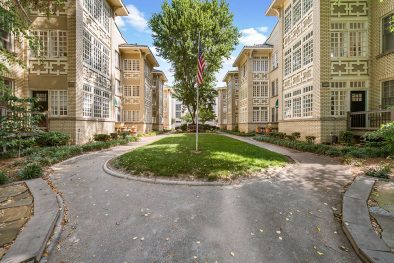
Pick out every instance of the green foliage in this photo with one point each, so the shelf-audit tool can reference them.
(175, 33)
(52, 138)
(3, 178)
(334, 151)
(346, 137)
(114, 136)
(206, 113)
(381, 171)
(31, 171)
(384, 136)
(102, 137)
(310, 139)
(296, 135)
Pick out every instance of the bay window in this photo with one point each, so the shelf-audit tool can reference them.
(53, 43)
(388, 33)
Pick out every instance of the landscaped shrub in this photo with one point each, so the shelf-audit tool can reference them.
(296, 135)
(330, 150)
(382, 171)
(310, 139)
(114, 136)
(30, 171)
(52, 138)
(290, 137)
(3, 178)
(102, 137)
(346, 137)
(384, 136)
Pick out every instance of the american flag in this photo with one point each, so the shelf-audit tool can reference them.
(201, 65)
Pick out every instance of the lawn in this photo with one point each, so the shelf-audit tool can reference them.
(220, 158)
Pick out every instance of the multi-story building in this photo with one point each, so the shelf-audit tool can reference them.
(79, 71)
(167, 109)
(159, 78)
(253, 65)
(178, 111)
(331, 69)
(137, 82)
(231, 80)
(222, 107)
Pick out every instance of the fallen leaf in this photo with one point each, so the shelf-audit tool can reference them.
(134, 238)
(252, 234)
(195, 257)
(142, 238)
(167, 238)
(198, 242)
(232, 254)
(344, 248)
(261, 230)
(333, 208)
(319, 253)
(325, 204)
(278, 231)
(287, 219)
(318, 229)
(280, 238)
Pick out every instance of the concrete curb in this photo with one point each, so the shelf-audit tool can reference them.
(32, 240)
(56, 232)
(157, 181)
(357, 225)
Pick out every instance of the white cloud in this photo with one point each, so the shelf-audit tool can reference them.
(252, 36)
(136, 19)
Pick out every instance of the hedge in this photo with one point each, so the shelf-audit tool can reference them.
(329, 150)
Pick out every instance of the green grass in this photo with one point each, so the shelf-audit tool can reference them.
(220, 158)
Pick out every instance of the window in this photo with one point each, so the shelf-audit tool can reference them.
(95, 102)
(287, 62)
(306, 5)
(288, 19)
(274, 114)
(58, 102)
(387, 94)
(118, 87)
(95, 54)
(131, 116)
(297, 56)
(297, 12)
(349, 39)
(338, 103)
(260, 89)
(6, 40)
(388, 33)
(136, 91)
(260, 64)
(131, 64)
(275, 60)
(99, 10)
(299, 103)
(127, 91)
(117, 59)
(8, 87)
(260, 114)
(274, 88)
(307, 49)
(53, 43)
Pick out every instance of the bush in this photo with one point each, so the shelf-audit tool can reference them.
(114, 136)
(310, 139)
(132, 138)
(346, 137)
(3, 178)
(385, 136)
(296, 135)
(102, 137)
(290, 137)
(382, 171)
(52, 138)
(31, 171)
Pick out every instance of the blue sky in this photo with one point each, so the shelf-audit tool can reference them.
(248, 17)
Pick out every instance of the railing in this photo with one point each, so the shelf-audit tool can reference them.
(369, 120)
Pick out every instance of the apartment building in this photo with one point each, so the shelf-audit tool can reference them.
(85, 75)
(231, 80)
(330, 69)
(167, 108)
(222, 107)
(159, 79)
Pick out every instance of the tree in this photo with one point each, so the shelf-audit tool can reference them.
(175, 33)
(187, 118)
(206, 114)
(20, 121)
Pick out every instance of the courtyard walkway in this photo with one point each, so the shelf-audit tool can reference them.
(289, 217)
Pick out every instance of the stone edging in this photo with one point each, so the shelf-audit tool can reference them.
(357, 225)
(119, 174)
(48, 214)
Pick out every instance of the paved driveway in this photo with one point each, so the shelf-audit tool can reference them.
(287, 218)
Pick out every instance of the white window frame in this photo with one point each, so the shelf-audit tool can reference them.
(58, 102)
(53, 43)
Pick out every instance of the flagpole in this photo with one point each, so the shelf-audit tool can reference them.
(197, 102)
